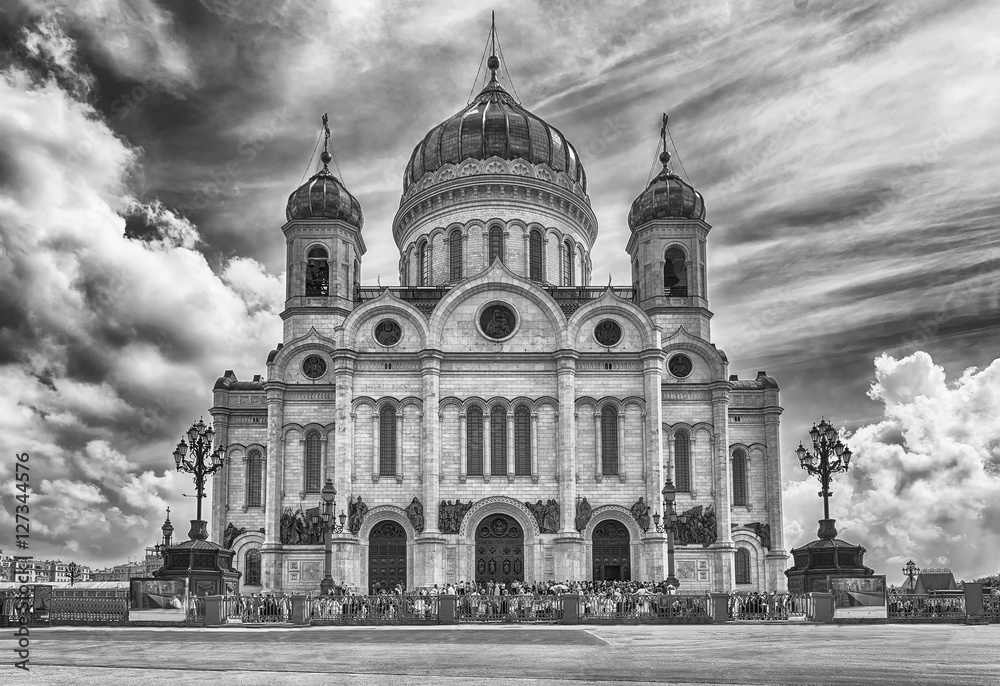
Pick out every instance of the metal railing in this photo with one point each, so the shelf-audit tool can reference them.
(991, 607)
(921, 607)
(16, 609)
(195, 609)
(770, 606)
(376, 609)
(509, 608)
(644, 607)
(251, 609)
(102, 610)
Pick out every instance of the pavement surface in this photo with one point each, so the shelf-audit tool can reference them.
(764, 654)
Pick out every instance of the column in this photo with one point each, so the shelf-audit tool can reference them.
(463, 448)
(487, 448)
(399, 445)
(776, 558)
(534, 447)
(510, 446)
(652, 372)
(430, 374)
(622, 462)
(270, 555)
(221, 479)
(720, 418)
(376, 443)
(598, 451)
(566, 375)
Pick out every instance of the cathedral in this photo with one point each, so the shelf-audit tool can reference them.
(496, 416)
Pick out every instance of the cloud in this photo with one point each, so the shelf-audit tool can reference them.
(924, 482)
(115, 325)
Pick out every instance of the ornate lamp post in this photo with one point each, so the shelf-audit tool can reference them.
(72, 569)
(329, 504)
(669, 518)
(910, 570)
(831, 456)
(204, 462)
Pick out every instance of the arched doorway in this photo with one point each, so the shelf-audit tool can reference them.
(499, 550)
(386, 556)
(612, 552)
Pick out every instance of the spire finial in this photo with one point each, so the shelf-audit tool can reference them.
(325, 156)
(665, 155)
(493, 63)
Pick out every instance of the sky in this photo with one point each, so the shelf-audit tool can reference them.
(846, 155)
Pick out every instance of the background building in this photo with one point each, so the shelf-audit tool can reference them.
(497, 416)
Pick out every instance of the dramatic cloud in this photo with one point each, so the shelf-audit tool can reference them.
(924, 483)
(114, 326)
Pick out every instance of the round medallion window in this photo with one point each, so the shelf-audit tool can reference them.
(680, 365)
(387, 332)
(608, 332)
(497, 321)
(314, 366)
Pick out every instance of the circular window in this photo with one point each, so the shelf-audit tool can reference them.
(387, 332)
(497, 321)
(680, 365)
(608, 332)
(314, 366)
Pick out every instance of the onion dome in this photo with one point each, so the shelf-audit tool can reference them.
(494, 125)
(667, 197)
(324, 196)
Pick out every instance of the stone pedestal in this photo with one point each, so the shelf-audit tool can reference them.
(428, 562)
(570, 558)
(654, 558)
(826, 557)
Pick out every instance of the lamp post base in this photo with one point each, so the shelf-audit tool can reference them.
(672, 581)
(326, 586)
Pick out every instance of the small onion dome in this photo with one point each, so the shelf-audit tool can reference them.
(493, 125)
(667, 197)
(324, 197)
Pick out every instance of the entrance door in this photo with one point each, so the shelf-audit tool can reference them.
(386, 556)
(612, 553)
(499, 550)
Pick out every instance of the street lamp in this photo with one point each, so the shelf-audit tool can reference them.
(204, 462)
(72, 569)
(329, 504)
(831, 456)
(669, 494)
(910, 570)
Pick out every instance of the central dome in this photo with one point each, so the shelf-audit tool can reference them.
(494, 125)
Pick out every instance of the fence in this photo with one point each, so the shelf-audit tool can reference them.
(89, 609)
(919, 607)
(378, 609)
(772, 606)
(254, 609)
(644, 607)
(509, 608)
(991, 608)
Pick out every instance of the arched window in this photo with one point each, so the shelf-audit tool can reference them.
(496, 243)
(742, 566)
(255, 473)
(675, 281)
(739, 478)
(357, 275)
(317, 272)
(682, 462)
(498, 441)
(387, 441)
(455, 248)
(566, 264)
(535, 255)
(314, 462)
(422, 264)
(570, 263)
(251, 567)
(522, 441)
(609, 441)
(474, 441)
(404, 278)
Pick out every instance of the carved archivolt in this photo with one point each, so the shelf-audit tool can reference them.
(499, 504)
(380, 513)
(619, 514)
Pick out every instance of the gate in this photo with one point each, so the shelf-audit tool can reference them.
(499, 550)
(612, 552)
(386, 557)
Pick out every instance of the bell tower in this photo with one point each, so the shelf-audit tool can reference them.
(667, 250)
(323, 251)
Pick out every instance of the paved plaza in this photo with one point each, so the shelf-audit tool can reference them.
(772, 654)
